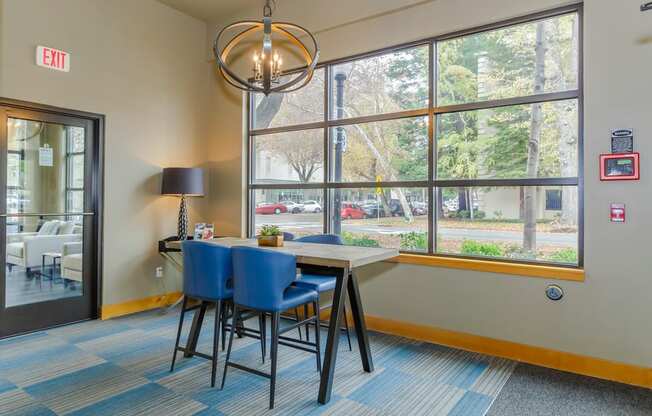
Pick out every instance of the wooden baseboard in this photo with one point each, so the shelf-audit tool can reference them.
(139, 305)
(544, 357)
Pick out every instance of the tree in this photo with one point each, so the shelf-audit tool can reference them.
(566, 122)
(302, 151)
(532, 169)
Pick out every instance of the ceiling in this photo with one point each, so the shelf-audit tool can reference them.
(313, 14)
(212, 10)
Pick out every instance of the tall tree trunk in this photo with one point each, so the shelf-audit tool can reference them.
(461, 199)
(440, 203)
(532, 168)
(566, 124)
(267, 109)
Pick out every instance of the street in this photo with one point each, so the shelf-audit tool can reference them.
(312, 223)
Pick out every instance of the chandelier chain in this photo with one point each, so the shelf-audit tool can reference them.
(269, 7)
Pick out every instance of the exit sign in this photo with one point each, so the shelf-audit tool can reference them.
(52, 58)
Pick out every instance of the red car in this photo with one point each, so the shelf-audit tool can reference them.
(352, 212)
(267, 208)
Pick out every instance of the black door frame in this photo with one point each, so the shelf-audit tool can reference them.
(94, 202)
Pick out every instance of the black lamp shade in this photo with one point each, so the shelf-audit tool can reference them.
(183, 181)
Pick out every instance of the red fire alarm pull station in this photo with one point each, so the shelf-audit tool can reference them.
(617, 213)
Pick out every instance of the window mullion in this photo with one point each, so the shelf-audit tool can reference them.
(327, 149)
(432, 147)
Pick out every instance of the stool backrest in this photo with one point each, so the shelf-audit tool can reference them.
(288, 236)
(321, 239)
(261, 276)
(206, 269)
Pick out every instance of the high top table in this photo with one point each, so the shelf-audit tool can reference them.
(341, 260)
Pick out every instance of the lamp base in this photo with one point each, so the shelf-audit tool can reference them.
(182, 227)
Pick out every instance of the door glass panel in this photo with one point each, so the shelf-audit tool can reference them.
(45, 180)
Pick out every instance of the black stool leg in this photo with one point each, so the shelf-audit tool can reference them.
(305, 316)
(234, 319)
(216, 340)
(272, 385)
(225, 310)
(262, 326)
(346, 325)
(317, 333)
(176, 344)
(296, 316)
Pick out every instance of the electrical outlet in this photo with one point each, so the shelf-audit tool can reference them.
(159, 272)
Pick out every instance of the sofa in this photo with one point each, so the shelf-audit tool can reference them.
(26, 249)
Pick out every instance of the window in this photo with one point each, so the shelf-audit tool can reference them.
(553, 199)
(465, 145)
(74, 169)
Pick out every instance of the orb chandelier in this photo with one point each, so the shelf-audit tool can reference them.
(267, 64)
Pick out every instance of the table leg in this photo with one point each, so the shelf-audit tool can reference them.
(360, 325)
(332, 343)
(195, 329)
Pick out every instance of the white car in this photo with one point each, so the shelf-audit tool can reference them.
(311, 206)
(293, 207)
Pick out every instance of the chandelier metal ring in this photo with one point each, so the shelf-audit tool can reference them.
(264, 84)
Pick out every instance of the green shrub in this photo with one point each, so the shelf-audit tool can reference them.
(566, 255)
(351, 239)
(474, 248)
(414, 241)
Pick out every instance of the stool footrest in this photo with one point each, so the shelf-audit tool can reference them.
(193, 353)
(248, 369)
(288, 342)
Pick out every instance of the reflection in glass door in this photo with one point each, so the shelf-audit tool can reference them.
(50, 229)
(45, 187)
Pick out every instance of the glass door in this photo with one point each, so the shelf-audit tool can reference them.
(47, 220)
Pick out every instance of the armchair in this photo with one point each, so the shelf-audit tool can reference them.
(72, 261)
(26, 249)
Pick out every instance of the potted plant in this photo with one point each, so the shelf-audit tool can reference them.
(270, 236)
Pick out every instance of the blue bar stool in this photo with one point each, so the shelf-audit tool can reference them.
(263, 282)
(208, 277)
(321, 281)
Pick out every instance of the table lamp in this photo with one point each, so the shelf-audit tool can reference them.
(183, 182)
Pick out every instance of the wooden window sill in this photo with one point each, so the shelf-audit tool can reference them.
(517, 269)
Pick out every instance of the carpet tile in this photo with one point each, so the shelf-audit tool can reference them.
(121, 367)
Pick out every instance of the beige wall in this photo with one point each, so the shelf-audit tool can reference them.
(165, 105)
(607, 316)
(143, 65)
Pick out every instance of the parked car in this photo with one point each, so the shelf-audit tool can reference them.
(374, 210)
(311, 206)
(293, 207)
(350, 211)
(271, 208)
(396, 208)
(419, 208)
(451, 204)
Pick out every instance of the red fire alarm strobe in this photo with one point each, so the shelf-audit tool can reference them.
(617, 213)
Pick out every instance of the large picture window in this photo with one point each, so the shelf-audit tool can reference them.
(466, 145)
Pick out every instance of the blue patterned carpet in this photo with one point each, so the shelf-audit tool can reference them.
(120, 367)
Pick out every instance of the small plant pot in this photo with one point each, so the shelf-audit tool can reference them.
(270, 240)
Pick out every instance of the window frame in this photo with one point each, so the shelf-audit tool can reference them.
(431, 112)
